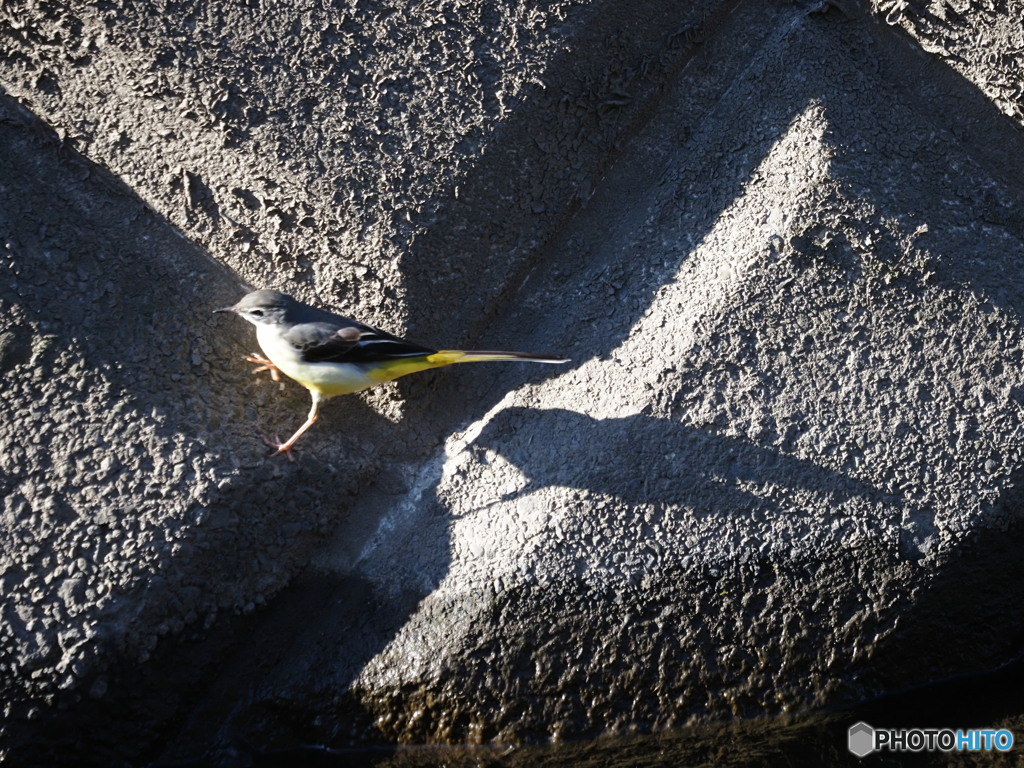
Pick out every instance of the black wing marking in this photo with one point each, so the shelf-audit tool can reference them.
(328, 342)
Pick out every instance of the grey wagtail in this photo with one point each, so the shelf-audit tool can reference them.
(331, 355)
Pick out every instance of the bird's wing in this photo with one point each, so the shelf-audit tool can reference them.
(346, 341)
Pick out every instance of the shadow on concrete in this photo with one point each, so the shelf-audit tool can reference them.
(719, 477)
(107, 332)
(706, 471)
(219, 686)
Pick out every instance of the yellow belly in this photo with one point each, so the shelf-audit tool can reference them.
(332, 379)
(329, 379)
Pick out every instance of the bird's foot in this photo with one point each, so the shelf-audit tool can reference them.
(264, 364)
(278, 446)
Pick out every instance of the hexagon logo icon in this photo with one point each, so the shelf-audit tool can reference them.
(860, 739)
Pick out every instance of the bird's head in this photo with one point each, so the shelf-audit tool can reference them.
(263, 307)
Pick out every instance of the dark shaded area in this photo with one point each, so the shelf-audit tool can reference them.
(987, 700)
(220, 683)
(583, 116)
(90, 269)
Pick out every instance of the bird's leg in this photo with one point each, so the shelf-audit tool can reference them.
(264, 364)
(286, 446)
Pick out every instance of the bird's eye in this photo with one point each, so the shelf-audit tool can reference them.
(256, 312)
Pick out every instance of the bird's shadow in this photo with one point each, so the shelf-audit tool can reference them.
(720, 478)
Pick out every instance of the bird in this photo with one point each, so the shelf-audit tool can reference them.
(332, 355)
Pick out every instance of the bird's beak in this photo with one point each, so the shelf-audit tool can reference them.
(224, 309)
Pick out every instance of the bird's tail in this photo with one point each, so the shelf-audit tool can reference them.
(401, 366)
(452, 356)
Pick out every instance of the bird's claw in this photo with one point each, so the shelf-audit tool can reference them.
(278, 447)
(264, 364)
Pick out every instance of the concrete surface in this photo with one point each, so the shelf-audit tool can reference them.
(781, 244)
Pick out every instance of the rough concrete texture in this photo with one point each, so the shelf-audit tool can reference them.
(781, 243)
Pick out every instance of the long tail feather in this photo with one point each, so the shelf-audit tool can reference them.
(452, 356)
(402, 366)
